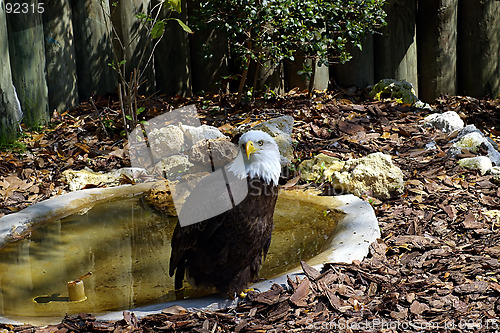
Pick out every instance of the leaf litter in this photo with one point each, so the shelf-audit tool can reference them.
(436, 267)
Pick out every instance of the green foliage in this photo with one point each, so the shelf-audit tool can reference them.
(175, 5)
(322, 29)
(158, 29)
(113, 63)
(16, 147)
(182, 25)
(138, 112)
(262, 30)
(152, 27)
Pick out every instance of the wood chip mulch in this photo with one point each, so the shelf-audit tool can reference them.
(435, 269)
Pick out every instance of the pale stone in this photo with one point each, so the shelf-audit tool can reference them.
(495, 171)
(447, 122)
(470, 141)
(320, 168)
(494, 216)
(166, 141)
(193, 134)
(470, 138)
(78, 179)
(219, 152)
(374, 175)
(481, 163)
(173, 166)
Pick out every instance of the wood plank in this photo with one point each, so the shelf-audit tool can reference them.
(27, 62)
(396, 49)
(437, 51)
(10, 112)
(479, 48)
(60, 56)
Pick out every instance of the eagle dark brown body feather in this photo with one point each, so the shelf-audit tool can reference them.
(226, 251)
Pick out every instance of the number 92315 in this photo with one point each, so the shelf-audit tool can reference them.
(24, 8)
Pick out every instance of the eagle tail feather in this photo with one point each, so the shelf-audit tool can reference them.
(179, 276)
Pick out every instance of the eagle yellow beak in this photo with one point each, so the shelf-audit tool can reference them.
(249, 148)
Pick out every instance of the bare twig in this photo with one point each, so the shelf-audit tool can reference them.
(128, 88)
(120, 95)
(98, 115)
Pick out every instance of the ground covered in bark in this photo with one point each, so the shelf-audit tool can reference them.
(435, 268)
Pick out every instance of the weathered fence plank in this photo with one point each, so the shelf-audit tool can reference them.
(479, 48)
(10, 112)
(266, 77)
(27, 61)
(396, 49)
(458, 52)
(208, 70)
(437, 48)
(60, 55)
(93, 48)
(208, 67)
(173, 59)
(137, 47)
(295, 80)
(359, 71)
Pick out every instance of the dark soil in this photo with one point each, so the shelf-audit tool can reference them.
(435, 269)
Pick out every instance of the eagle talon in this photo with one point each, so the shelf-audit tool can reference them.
(179, 293)
(244, 292)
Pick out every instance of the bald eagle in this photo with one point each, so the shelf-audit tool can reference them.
(226, 251)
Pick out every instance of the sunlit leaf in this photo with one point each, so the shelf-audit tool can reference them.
(183, 26)
(158, 29)
(176, 5)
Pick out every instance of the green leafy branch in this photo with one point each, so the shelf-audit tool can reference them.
(154, 29)
(273, 30)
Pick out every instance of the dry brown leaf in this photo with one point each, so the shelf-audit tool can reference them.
(292, 182)
(300, 295)
(83, 147)
(350, 128)
(418, 308)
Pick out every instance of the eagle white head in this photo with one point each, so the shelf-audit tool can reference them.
(258, 157)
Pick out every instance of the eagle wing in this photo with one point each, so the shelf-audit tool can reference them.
(185, 239)
(209, 191)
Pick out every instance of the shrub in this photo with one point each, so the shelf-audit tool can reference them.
(273, 30)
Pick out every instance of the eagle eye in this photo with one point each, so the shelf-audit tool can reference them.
(260, 142)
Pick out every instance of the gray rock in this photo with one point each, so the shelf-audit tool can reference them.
(470, 138)
(481, 163)
(390, 88)
(173, 166)
(217, 151)
(447, 122)
(166, 141)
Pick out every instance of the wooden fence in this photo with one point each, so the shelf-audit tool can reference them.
(60, 57)
(440, 46)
